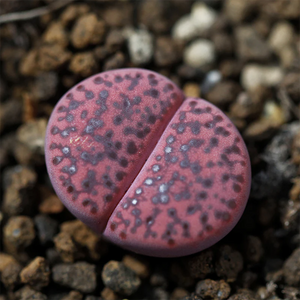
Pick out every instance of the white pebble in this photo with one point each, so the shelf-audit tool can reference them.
(282, 35)
(254, 75)
(194, 24)
(140, 44)
(184, 29)
(203, 16)
(199, 53)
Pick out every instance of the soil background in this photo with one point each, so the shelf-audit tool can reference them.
(242, 56)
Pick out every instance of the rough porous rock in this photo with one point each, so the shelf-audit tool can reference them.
(120, 278)
(18, 233)
(36, 274)
(213, 289)
(80, 276)
(87, 30)
(291, 269)
(20, 195)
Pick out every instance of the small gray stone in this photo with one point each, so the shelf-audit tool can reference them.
(80, 276)
(46, 228)
(120, 278)
(250, 46)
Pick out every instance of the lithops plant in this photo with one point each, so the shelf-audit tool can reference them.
(149, 170)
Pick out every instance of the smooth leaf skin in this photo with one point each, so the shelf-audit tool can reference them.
(192, 190)
(100, 134)
(152, 172)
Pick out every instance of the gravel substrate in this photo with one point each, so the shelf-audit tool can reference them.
(242, 56)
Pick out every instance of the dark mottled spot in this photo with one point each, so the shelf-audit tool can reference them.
(118, 79)
(152, 93)
(149, 220)
(74, 105)
(69, 96)
(225, 177)
(86, 184)
(151, 119)
(103, 94)
(123, 162)
(120, 175)
(108, 197)
(171, 242)
(208, 109)
(196, 168)
(113, 226)
(214, 142)
(208, 227)
(86, 202)
(98, 80)
(118, 145)
(185, 226)
(137, 100)
(191, 210)
(235, 149)
(140, 134)
(201, 196)
(204, 218)
(108, 184)
(192, 103)
(222, 131)
(62, 109)
(112, 155)
(109, 134)
(80, 88)
(94, 210)
(123, 235)
(152, 80)
(195, 127)
(198, 111)
(239, 178)
(70, 189)
(225, 216)
(54, 130)
(218, 118)
(118, 120)
(210, 164)
(69, 118)
(89, 95)
(108, 83)
(128, 130)
(131, 148)
(236, 188)
(56, 160)
(83, 114)
(53, 146)
(169, 87)
(209, 125)
(231, 204)
(207, 183)
(172, 212)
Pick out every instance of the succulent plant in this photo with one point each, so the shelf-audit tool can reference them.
(151, 171)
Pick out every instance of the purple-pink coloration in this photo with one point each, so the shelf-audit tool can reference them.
(152, 174)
